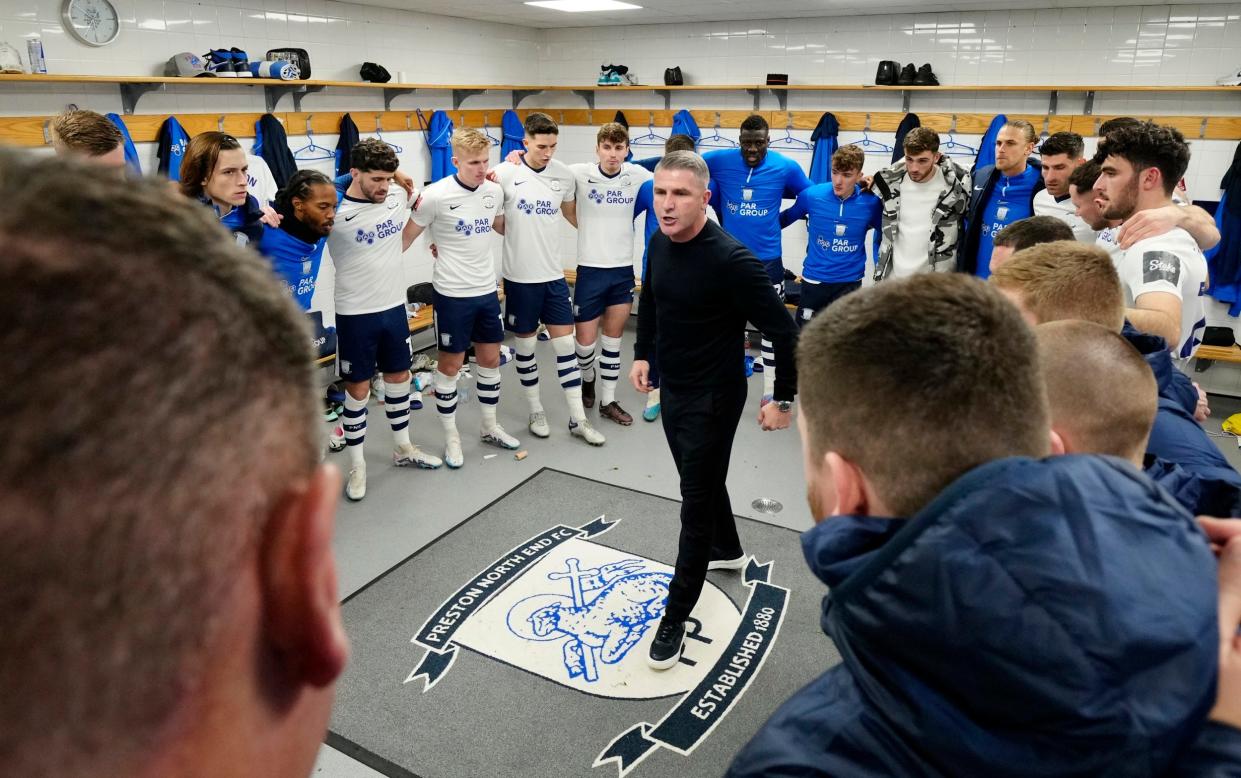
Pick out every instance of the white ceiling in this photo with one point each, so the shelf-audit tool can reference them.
(689, 11)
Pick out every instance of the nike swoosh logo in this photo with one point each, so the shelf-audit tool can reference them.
(593, 181)
(350, 217)
(518, 183)
(394, 205)
(453, 207)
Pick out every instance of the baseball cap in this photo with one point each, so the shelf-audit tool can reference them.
(10, 60)
(188, 65)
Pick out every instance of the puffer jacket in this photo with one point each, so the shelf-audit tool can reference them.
(945, 221)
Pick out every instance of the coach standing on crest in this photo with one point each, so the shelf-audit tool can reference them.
(702, 286)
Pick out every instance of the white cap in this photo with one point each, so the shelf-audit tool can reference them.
(10, 59)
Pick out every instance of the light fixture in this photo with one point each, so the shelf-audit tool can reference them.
(579, 6)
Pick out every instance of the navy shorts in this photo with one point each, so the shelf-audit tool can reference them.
(525, 305)
(816, 297)
(368, 340)
(460, 321)
(599, 288)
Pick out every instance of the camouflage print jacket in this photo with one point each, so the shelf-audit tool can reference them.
(945, 222)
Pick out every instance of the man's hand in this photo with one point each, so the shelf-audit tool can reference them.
(270, 217)
(866, 183)
(1203, 411)
(1225, 536)
(770, 417)
(639, 375)
(435, 254)
(514, 156)
(1148, 224)
(404, 181)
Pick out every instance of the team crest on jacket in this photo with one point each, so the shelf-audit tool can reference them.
(581, 614)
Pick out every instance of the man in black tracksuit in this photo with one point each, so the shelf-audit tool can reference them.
(702, 286)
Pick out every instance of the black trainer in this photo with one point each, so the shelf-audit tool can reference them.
(666, 647)
(588, 393)
(908, 75)
(926, 77)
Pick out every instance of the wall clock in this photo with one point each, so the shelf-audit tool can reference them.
(93, 22)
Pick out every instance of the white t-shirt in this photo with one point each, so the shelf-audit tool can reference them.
(366, 249)
(605, 213)
(458, 220)
(911, 252)
(262, 183)
(1170, 263)
(1065, 211)
(532, 219)
(1106, 240)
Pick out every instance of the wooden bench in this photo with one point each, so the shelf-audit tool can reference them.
(1219, 353)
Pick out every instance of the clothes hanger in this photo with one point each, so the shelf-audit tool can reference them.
(954, 149)
(872, 146)
(487, 131)
(715, 140)
(650, 138)
(788, 142)
(312, 151)
(379, 134)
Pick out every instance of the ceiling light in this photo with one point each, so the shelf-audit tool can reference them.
(578, 6)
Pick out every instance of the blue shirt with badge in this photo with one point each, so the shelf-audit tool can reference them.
(836, 247)
(1010, 201)
(295, 261)
(748, 199)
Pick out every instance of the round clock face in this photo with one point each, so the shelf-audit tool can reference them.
(93, 22)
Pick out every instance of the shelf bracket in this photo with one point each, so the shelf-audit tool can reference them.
(1089, 103)
(1055, 102)
(131, 93)
(522, 94)
(588, 95)
(755, 94)
(667, 95)
(459, 96)
(272, 94)
(905, 98)
(392, 94)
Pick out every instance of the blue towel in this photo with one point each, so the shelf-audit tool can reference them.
(825, 145)
(439, 138)
(514, 134)
(131, 154)
(683, 124)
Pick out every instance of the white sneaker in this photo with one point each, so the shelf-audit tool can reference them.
(355, 488)
(452, 453)
(582, 429)
(412, 455)
(538, 425)
(496, 436)
(336, 439)
(728, 564)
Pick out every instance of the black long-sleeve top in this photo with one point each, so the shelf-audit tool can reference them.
(695, 301)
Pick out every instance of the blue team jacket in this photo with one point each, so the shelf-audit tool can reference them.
(1039, 618)
(747, 199)
(295, 261)
(836, 238)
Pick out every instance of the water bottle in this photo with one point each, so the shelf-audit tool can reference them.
(34, 50)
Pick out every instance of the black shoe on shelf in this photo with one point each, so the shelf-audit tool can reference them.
(908, 75)
(925, 77)
(666, 647)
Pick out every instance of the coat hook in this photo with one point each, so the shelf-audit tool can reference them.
(220, 123)
(47, 132)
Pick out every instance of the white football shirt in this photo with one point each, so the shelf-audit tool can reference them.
(532, 200)
(605, 213)
(1170, 263)
(1106, 240)
(366, 249)
(1065, 211)
(458, 221)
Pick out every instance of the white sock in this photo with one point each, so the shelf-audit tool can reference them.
(355, 427)
(609, 369)
(396, 405)
(570, 375)
(769, 367)
(586, 361)
(446, 402)
(487, 384)
(528, 371)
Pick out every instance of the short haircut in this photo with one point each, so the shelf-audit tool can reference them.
(685, 160)
(1031, 231)
(85, 132)
(972, 359)
(754, 123)
(200, 157)
(469, 140)
(1100, 391)
(679, 142)
(371, 154)
(1068, 143)
(1025, 127)
(1084, 176)
(920, 139)
(1065, 280)
(612, 132)
(541, 124)
(1116, 123)
(299, 186)
(848, 158)
(125, 525)
(1148, 145)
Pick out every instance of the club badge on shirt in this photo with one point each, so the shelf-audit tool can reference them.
(747, 194)
(840, 229)
(555, 185)
(489, 201)
(1001, 213)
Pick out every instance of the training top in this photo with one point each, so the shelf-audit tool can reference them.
(695, 302)
(261, 182)
(532, 200)
(836, 243)
(1009, 202)
(605, 213)
(295, 260)
(1064, 210)
(458, 221)
(1170, 263)
(366, 248)
(748, 199)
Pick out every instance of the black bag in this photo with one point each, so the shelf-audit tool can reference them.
(1218, 336)
(298, 57)
(673, 77)
(888, 73)
(376, 74)
(777, 79)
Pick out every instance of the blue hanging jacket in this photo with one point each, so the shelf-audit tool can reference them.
(131, 154)
(986, 147)
(514, 133)
(683, 124)
(171, 144)
(344, 144)
(439, 139)
(1224, 260)
(825, 145)
(271, 143)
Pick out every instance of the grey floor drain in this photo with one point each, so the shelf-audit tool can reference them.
(766, 505)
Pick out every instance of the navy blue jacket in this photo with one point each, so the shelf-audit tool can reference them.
(1024, 623)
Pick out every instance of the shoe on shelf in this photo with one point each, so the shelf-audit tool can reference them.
(496, 436)
(452, 453)
(616, 413)
(409, 454)
(582, 429)
(909, 75)
(220, 62)
(737, 563)
(355, 487)
(588, 393)
(538, 425)
(241, 63)
(667, 646)
(925, 77)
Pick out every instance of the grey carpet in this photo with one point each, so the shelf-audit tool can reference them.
(534, 676)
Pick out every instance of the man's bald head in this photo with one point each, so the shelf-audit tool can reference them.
(1101, 392)
(1063, 280)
